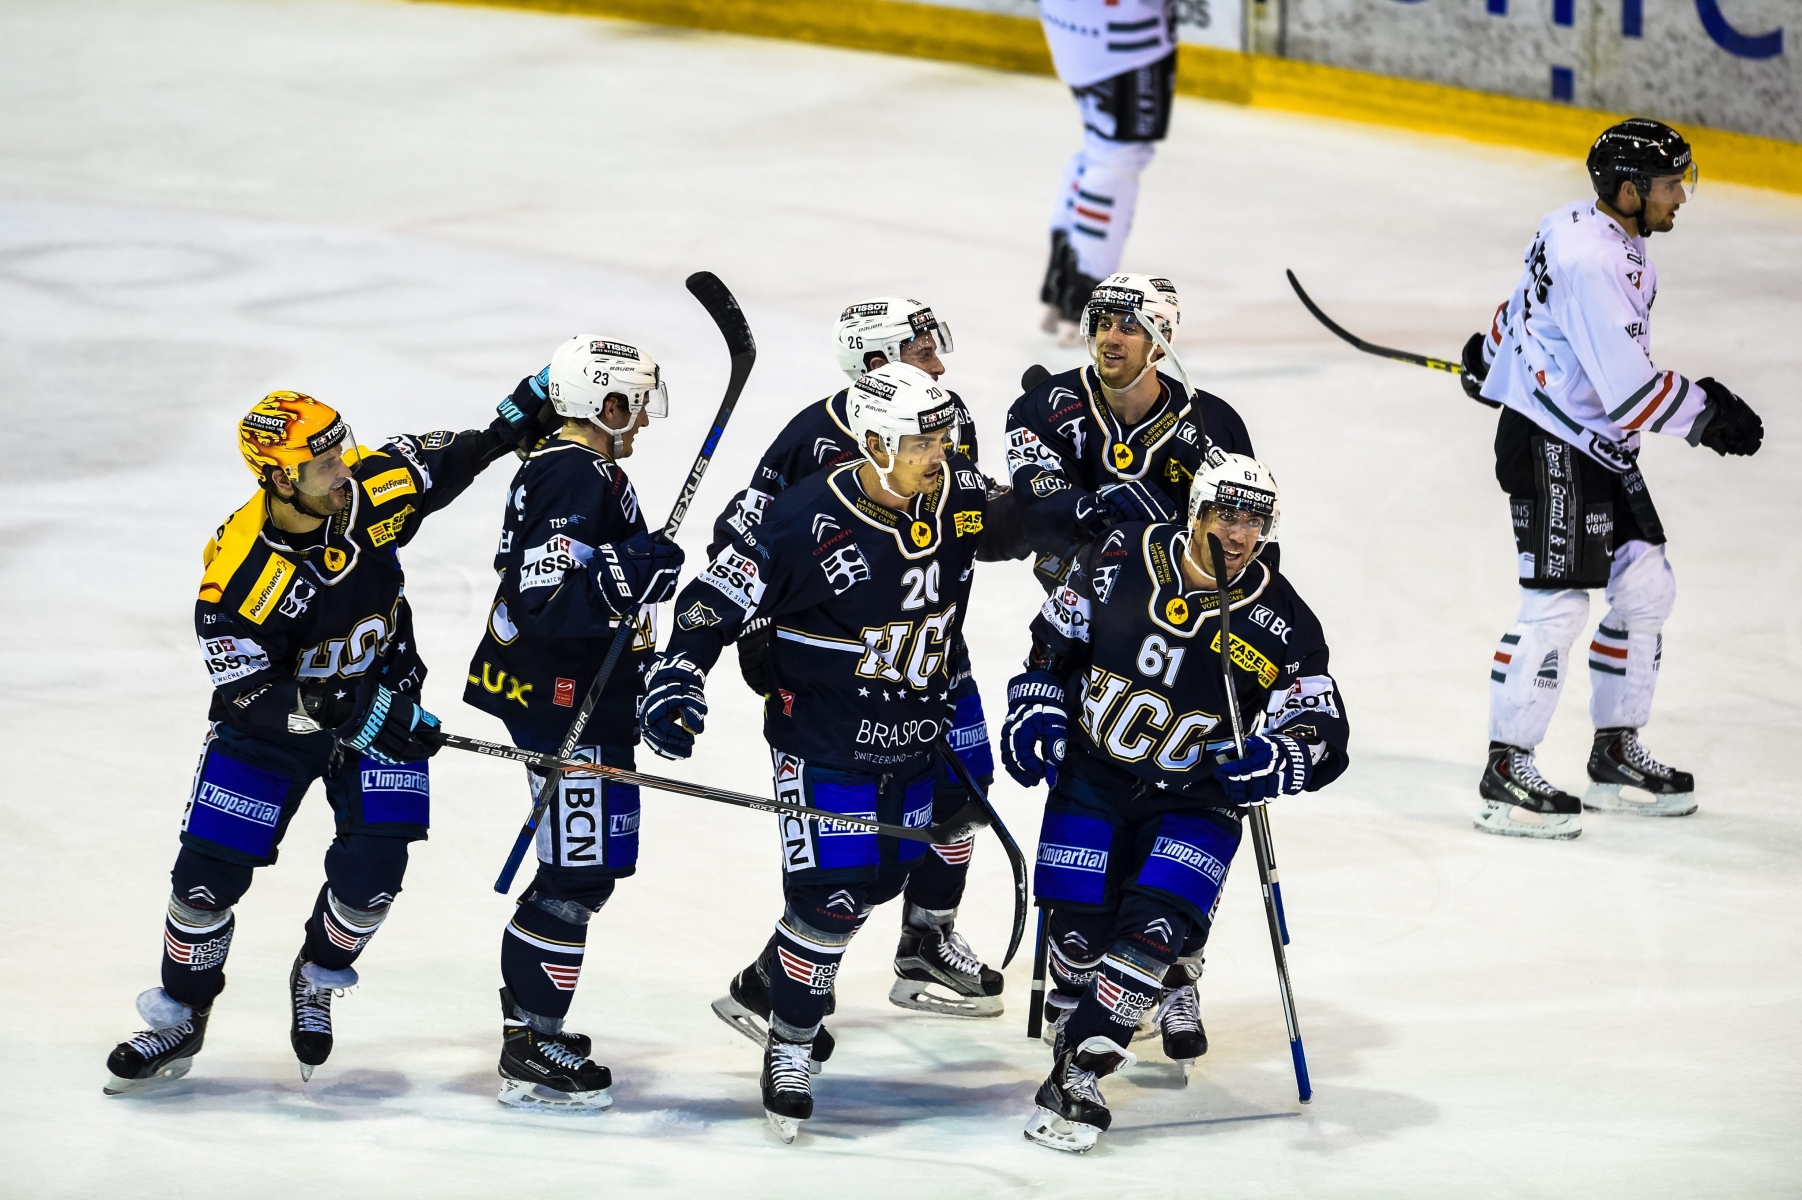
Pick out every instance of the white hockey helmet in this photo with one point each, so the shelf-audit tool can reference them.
(1242, 482)
(881, 326)
(1137, 296)
(894, 401)
(586, 370)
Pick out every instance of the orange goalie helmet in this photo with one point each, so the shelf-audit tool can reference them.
(286, 429)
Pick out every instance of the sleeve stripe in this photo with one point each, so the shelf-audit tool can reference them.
(1658, 425)
(1670, 379)
(1628, 405)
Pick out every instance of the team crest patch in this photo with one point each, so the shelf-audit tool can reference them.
(921, 533)
(1177, 611)
(334, 559)
(1123, 456)
(697, 616)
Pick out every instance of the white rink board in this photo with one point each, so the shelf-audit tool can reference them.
(401, 209)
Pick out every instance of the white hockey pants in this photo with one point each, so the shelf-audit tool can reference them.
(1096, 199)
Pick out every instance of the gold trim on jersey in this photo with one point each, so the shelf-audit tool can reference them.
(917, 531)
(1130, 451)
(1176, 608)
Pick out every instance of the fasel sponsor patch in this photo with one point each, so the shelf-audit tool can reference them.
(385, 531)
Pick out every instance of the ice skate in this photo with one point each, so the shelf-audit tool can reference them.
(937, 972)
(164, 1051)
(787, 1085)
(1619, 761)
(310, 989)
(1178, 1020)
(1072, 1113)
(542, 1070)
(1057, 1014)
(746, 1008)
(1521, 802)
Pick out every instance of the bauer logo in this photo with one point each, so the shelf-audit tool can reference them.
(1073, 858)
(873, 308)
(260, 812)
(1197, 860)
(615, 349)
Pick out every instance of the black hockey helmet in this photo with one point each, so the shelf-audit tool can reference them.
(1639, 150)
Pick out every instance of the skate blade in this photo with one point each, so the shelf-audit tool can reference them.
(172, 1070)
(1185, 1065)
(754, 1027)
(786, 1127)
(522, 1093)
(1609, 797)
(911, 993)
(1073, 1137)
(1509, 820)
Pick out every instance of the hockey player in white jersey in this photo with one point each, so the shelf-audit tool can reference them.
(1568, 357)
(1119, 59)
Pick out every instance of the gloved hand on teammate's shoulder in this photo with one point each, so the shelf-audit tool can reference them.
(390, 727)
(527, 415)
(675, 706)
(640, 570)
(1036, 736)
(1136, 502)
(1090, 517)
(1734, 428)
(1274, 765)
(1476, 370)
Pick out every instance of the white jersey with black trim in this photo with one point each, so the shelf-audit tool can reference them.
(1092, 40)
(1571, 347)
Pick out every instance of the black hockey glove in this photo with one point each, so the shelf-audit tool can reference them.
(1733, 428)
(1136, 502)
(391, 728)
(640, 570)
(1090, 517)
(1475, 371)
(675, 706)
(527, 416)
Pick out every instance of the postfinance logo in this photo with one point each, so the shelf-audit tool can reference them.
(278, 572)
(388, 485)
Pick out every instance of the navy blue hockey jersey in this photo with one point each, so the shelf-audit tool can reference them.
(1141, 653)
(867, 603)
(1065, 443)
(548, 628)
(279, 609)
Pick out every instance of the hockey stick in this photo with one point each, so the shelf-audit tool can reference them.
(1035, 1016)
(947, 832)
(723, 308)
(1407, 356)
(992, 819)
(1259, 818)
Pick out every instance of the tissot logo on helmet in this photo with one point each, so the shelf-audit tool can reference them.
(922, 320)
(873, 308)
(877, 386)
(938, 418)
(1237, 495)
(326, 438)
(1124, 299)
(616, 349)
(266, 423)
(1164, 285)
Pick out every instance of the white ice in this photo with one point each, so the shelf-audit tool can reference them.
(402, 208)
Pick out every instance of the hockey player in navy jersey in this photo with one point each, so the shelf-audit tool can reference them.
(1116, 440)
(1567, 358)
(1122, 709)
(935, 968)
(864, 572)
(305, 630)
(575, 562)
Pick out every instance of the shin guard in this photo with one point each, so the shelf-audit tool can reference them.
(195, 943)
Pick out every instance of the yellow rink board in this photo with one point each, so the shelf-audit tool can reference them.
(1016, 44)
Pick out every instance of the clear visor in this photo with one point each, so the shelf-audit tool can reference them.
(1126, 321)
(1219, 516)
(924, 449)
(328, 470)
(656, 400)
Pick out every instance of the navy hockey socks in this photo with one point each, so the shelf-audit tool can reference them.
(801, 978)
(541, 955)
(337, 933)
(937, 880)
(195, 943)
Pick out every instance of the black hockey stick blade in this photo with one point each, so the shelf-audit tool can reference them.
(723, 307)
(1033, 377)
(1015, 860)
(1407, 356)
(552, 762)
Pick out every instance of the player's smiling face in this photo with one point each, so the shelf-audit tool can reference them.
(1238, 532)
(918, 467)
(1122, 349)
(325, 482)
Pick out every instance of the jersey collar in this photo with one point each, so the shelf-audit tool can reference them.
(917, 531)
(1175, 608)
(1129, 451)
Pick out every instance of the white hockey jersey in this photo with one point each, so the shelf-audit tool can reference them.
(1092, 40)
(1571, 348)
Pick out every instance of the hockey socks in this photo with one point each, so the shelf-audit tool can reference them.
(541, 955)
(801, 978)
(337, 933)
(195, 943)
(1127, 984)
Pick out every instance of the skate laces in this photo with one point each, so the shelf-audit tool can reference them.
(558, 1053)
(1081, 1084)
(789, 1066)
(1524, 771)
(312, 1007)
(1180, 1011)
(958, 955)
(153, 1042)
(1638, 757)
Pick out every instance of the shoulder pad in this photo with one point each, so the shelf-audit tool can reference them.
(230, 546)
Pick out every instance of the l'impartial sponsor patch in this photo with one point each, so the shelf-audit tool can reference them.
(389, 485)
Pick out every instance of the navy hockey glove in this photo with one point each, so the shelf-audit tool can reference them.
(1734, 428)
(527, 415)
(390, 727)
(1476, 370)
(675, 706)
(1090, 517)
(639, 570)
(1136, 502)
(1274, 765)
(1036, 735)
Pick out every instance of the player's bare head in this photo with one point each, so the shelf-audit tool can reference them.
(1113, 326)
(907, 424)
(1643, 170)
(609, 387)
(889, 329)
(1237, 501)
(300, 450)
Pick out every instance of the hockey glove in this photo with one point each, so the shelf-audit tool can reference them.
(1475, 370)
(1734, 428)
(527, 415)
(1274, 765)
(1136, 502)
(1035, 737)
(1090, 517)
(675, 706)
(391, 728)
(640, 570)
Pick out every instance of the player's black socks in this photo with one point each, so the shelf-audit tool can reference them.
(541, 958)
(337, 933)
(801, 983)
(937, 880)
(195, 943)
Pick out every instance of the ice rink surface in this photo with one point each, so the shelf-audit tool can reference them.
(401, 209)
